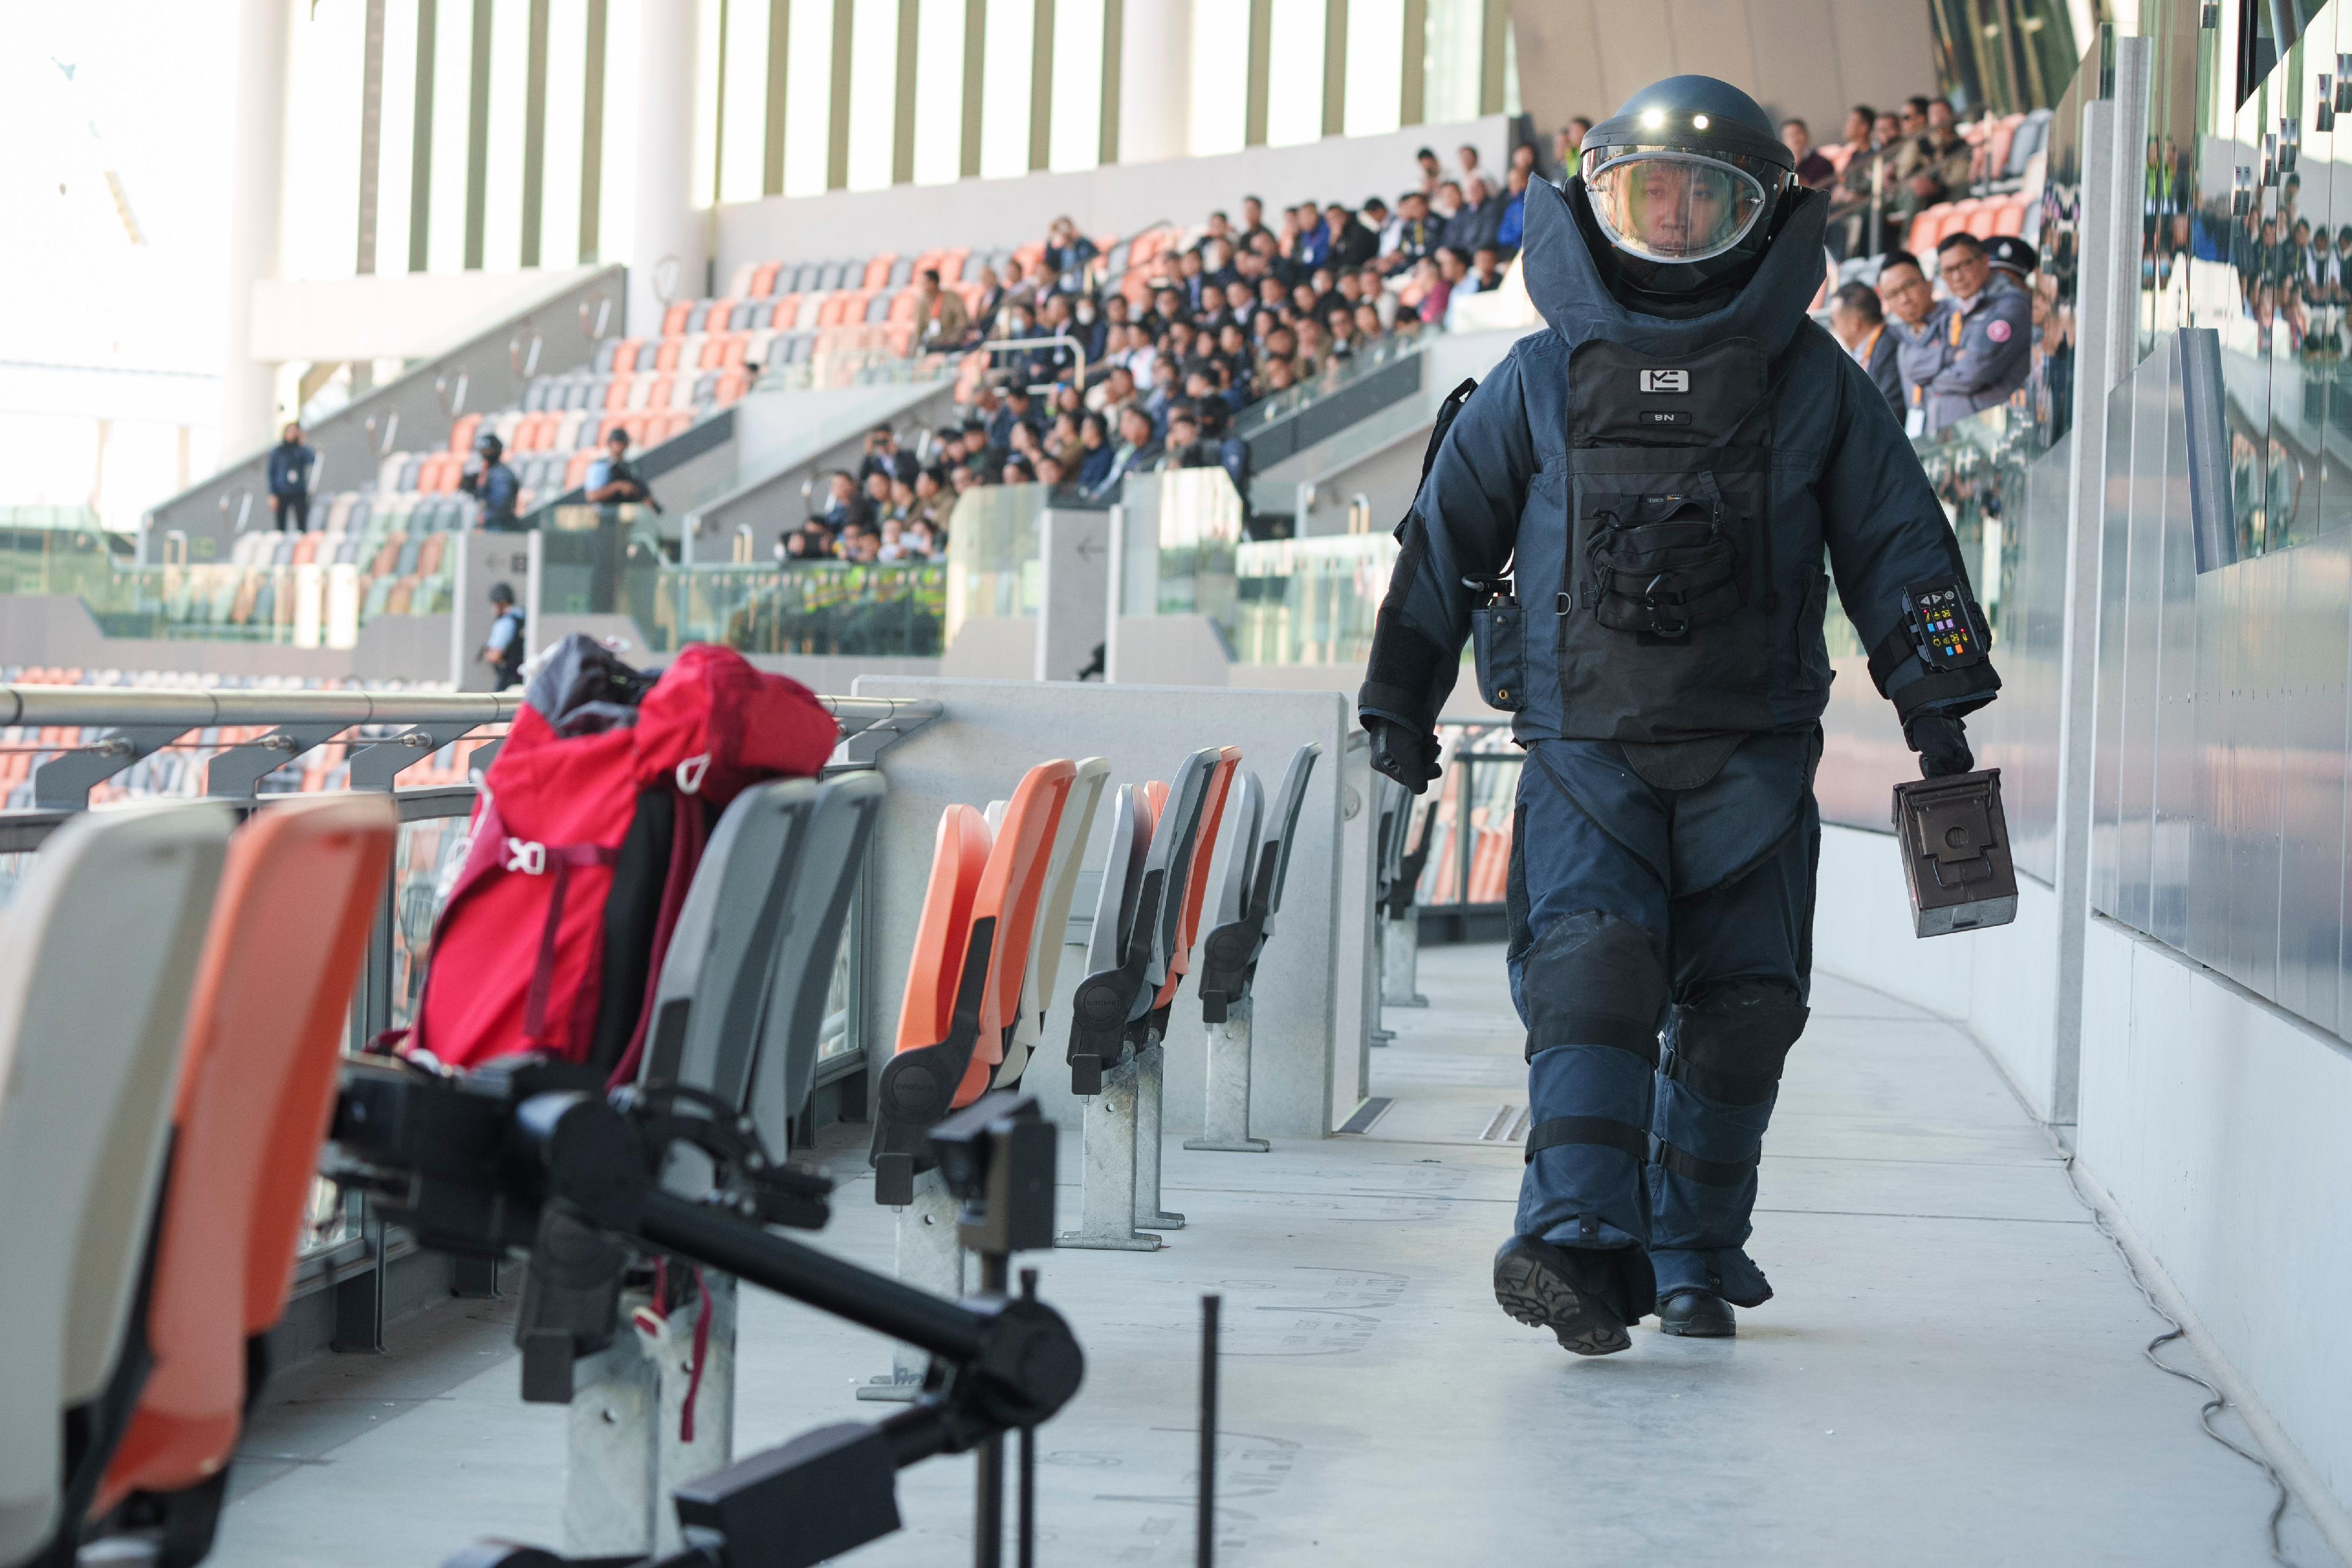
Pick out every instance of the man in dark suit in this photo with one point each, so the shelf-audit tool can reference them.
(1859, 321)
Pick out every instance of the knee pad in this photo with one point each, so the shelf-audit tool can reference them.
(1731, 1043)
(1591, 978)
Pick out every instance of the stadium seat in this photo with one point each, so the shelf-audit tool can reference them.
(264, 1034)
(96, 955)
(964, 985)
(1061, 884)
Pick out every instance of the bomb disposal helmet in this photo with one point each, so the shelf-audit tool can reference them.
(1684, 182)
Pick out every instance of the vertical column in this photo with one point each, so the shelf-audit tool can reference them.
(534, 135)
(248, 387)
(837, 154)
(902, 107)
(666, 252)
(1155, 81)
(1041, 85)
(2106, 310)
(420, 149)
(1261, 72)
(975, 78)
(1491, 57)
(477, 138)
(1107, 132)
(591, 139)
(1335, 67)
(779, 60)
(1413, 100)
(371, 136)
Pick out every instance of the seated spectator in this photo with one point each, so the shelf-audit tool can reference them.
(1022, 287)
(922, 542)
(1311, 357)
(941, 322)
(1017, 471)
(1432, 173)
(1858, 320)
(1351, 242)
(1185, 449)
(858, 545)
(1941, 171)
(1367, 325)
(1567, 149)
(1061, 437)
(1813, 170)
(902, 502)
(992, 300)
(1137, 451)
(1067, 254)
(1985, 332)
(933, 500)
(1444, 206)
(1252, 223)
(878, 496)
(1910, 307)
(962, 477)
(844, 504)
(1856, 139)
(1480, 217)
(1486, 274)
(883, 457)
(1434, 280)
(1310, 238)
(810, 542)
(1340, 324)
(1051, 473)
(1165, 387)
(892, 546)
(1467, 156)
(1115, 391)
(1277, 376)
(1018, 410)
(1378, 222)
(1510, 229)
(1095, 451)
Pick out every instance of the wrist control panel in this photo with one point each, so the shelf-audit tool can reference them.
(1946, 629)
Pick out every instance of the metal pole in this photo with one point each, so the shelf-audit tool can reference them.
(1205, 1526)
(1025, 1530)
(988, 1512)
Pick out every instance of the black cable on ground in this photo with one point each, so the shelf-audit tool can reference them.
(2218, 1401)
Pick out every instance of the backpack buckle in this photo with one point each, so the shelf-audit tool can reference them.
(690, 772)
(529, 858)
(1650, 601)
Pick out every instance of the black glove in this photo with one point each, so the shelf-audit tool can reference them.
(1411, 759)
(1941, 743)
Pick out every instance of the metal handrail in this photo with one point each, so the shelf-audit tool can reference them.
(201, 709)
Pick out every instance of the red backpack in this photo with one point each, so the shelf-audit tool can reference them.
(590, 825)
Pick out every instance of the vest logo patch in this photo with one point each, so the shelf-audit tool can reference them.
(1665, 417)
(1665, 380)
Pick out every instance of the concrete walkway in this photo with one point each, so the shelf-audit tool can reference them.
(1950, 1374)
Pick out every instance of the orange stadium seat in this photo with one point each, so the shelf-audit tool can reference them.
(763, 279)
(878, 271)
(673, 318)
(264, 1040)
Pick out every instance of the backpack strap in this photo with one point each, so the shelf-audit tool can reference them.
(534, 859)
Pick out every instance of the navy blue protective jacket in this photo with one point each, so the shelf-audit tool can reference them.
(1832, 466)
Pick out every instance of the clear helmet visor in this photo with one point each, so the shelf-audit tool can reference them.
(1670, 205)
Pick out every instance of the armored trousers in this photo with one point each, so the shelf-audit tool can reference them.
(1660, 956)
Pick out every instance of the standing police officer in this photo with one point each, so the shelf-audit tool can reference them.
(1984, 334)
(1632, 515)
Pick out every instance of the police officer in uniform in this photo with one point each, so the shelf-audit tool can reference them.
(1630, 515)
(1984, 334)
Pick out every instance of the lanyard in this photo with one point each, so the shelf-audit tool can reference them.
(1862, 355)
(1959, 322)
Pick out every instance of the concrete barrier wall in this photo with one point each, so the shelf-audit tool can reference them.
(1313, 1027)
(2211, 1122)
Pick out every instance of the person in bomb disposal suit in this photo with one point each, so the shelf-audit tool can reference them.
(1630, 514)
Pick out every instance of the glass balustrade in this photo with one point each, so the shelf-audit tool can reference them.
(1311, 600)
(802, 607)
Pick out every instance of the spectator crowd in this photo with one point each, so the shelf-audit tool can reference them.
(1091, 377)
(1247, 307)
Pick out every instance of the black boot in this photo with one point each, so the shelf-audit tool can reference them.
(1697, 1314)
(1576, 1292)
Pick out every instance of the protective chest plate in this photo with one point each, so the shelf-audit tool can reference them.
(1663, 596)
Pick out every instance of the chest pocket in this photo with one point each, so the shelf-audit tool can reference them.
(1665, 602)
(1661, 564)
